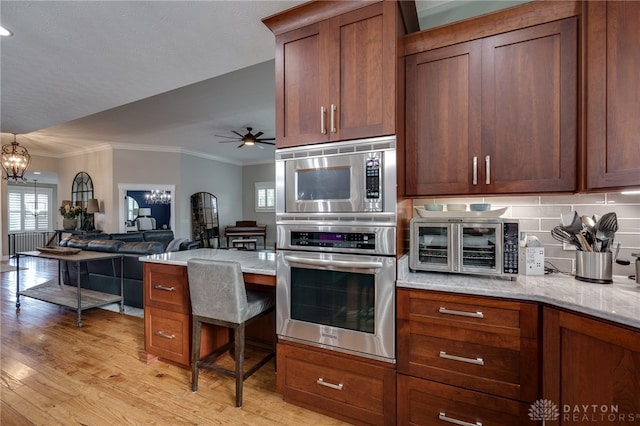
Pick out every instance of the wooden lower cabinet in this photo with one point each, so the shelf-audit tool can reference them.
(591, 370)
(353, 389)
(466, 360)
(425, 402)
(167, 315)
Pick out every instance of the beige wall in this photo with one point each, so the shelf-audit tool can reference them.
(98, 165)
(251, 175)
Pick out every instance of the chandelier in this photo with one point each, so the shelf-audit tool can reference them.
(15, 161)
(158, 197)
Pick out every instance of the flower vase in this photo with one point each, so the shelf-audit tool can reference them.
(69, 224)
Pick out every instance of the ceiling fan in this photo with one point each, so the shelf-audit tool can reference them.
(249, 139)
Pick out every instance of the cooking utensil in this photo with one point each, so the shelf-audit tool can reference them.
(608, 222)
(583, 241)
(561, 234)
(588, 222)
(571, 222)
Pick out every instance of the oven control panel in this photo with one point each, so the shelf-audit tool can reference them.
(373, 178)
(345, 240)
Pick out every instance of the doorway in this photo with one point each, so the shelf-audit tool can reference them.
(163, 214)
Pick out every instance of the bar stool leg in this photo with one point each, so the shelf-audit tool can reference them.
(239, 348)
(195, 353)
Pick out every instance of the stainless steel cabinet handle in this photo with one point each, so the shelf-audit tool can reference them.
(444, 310)
(333, 118)
(321, 381)
(161, 287)
(323, 113)
(487, 161)
(445, 418)
(475, 170)
(166, 336)
(477, 361)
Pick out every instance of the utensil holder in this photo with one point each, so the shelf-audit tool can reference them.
(594, 267)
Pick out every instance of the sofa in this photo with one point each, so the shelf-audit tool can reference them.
(104, 275)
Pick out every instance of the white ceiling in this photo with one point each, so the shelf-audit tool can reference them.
(157, 75)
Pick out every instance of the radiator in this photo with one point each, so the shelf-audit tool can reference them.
(28, 241)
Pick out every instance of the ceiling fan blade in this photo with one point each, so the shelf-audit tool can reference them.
(242, 136)
(241, 145)
(266, 143)
(233, 140)
(257, 135)
(224, 136)
(266, 139)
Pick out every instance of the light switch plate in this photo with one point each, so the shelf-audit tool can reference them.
(534, 261)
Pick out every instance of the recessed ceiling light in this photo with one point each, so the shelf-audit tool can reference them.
(5, 32)
(631, 192)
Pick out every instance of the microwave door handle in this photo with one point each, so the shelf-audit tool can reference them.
(336, 263)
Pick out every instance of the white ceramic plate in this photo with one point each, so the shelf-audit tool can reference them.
(488, 213)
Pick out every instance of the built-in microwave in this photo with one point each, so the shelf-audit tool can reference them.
(480, 246)
(342, 178)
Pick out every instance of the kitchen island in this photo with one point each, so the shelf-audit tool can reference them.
(167, 307)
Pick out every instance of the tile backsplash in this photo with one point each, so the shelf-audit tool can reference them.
(539, 214)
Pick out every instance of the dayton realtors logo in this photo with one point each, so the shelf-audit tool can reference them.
(544, 409)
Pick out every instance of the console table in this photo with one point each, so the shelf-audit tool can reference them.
(54, 291)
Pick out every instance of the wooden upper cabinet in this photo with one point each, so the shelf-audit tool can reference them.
(494, 115)
(612, 59)
(442, 118)
(529, 107)
(335, 78)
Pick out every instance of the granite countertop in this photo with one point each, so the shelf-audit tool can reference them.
(252, 262)
(618, 302)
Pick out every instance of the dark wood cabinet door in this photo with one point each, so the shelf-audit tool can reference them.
(443, 116)
(301, 87)
(363, 81)
(591, 370)
(612, 94)
(529, 108)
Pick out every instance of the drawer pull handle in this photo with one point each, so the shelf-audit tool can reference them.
(161, 287)
(166, 336)
(321, 381)
(444, 310)
(445, 418)
(477, 361)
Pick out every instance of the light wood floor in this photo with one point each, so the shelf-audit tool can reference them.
(54, 373)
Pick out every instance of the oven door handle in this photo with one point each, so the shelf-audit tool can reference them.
(336, 263)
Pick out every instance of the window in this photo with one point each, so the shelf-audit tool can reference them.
(265, 196)
(23, 215)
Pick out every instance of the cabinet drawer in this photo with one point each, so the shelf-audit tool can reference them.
(350, 388)
(423, 402)
(166, 287)
(469, 312)
(499, 357)
(167, 334)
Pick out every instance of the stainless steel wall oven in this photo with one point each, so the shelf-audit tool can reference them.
(336, 288)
